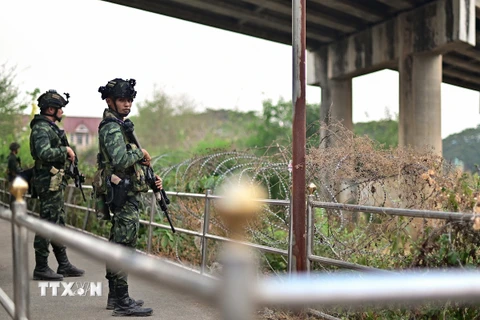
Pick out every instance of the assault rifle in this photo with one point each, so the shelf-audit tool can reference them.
(73, 171)
(160, 194)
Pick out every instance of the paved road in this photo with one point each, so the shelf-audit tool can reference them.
(165, 303)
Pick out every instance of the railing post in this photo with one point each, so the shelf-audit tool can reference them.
(150, 227)
(87, 214)
(290, 238)
(69, 200)
(299, 134)
(206, 223)
(21, 285)
(310, 223)
(236, 208)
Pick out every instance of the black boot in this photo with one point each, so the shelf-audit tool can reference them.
(43, 272)
(124, 308)
(112, 298)
(65, 268)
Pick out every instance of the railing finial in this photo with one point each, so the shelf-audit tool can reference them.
(239, 205)
(19, 188)
(312, 188)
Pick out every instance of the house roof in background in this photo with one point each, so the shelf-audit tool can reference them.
(70, 123)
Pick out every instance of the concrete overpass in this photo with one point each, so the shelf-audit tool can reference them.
(427, 41)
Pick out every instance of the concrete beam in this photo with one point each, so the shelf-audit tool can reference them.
(439, 27)
(313, 16)
(353, 7)
(461, 75)
(464, 64)
(399, 5)
(247, 16)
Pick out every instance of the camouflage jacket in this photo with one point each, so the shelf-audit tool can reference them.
(117, 154)
(13, 166)
(47, 149)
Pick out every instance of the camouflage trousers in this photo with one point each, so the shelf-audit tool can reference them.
(51, 210)
(124, 231)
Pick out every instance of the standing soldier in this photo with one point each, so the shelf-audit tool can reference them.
(14, 164)
(50, 150)
(123, 164)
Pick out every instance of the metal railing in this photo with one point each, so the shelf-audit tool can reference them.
(239, 291)
(311, 204)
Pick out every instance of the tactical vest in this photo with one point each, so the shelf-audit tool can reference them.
(47, 175)
(56, 141)
(135, 173)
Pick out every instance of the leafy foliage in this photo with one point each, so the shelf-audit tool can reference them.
(462, 148)
(11, 127)
(385, 132)
(275, 124)
(10, 108)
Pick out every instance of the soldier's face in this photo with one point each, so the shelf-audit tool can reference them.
(60, 113)
(54, 111)
(124, 106)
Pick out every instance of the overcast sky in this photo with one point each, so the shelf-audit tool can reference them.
(76, 46)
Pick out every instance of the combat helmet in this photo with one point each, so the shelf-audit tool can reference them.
(52, 98)
(118, 88)
(14, 146)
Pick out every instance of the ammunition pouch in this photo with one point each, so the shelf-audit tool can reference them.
(103, 194)
(139, 181)
(101, 208)
(99, 183)
(56, 179)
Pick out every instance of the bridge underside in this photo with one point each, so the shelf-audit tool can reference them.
(328, 21)
(427, 41)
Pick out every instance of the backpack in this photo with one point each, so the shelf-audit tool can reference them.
(29, 176)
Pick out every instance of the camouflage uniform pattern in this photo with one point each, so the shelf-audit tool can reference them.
(120, 161)
(13, 166)
(47, 150)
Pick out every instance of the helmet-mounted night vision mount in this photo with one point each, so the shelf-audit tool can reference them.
(53, 99)
(119, 88)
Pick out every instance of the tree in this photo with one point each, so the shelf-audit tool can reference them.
(275, 124)
(384, 131)
(159, 122)
(10, 108)
(463, 147)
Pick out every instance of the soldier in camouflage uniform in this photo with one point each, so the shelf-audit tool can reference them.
(49, 149)
(14, 166)
(120, 158)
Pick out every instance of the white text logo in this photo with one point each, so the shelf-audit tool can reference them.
(70, 289)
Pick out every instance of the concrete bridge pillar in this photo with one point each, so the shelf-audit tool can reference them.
(336, 94)
(341, 93)
(337, 102)
(413, 43)
(420, 101)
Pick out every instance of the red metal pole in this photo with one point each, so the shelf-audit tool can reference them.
(299, 211)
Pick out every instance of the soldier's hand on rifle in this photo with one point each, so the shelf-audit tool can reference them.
(70, 154)
(158, 182)
(146, 158)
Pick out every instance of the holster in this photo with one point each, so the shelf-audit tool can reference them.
(120, 192)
